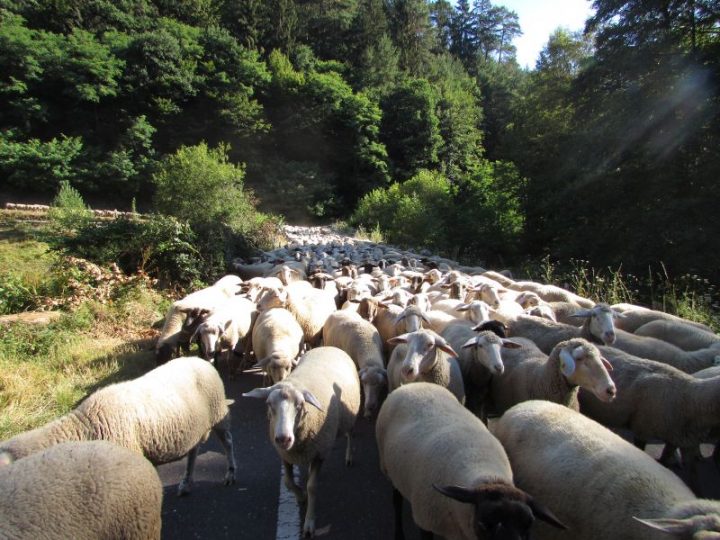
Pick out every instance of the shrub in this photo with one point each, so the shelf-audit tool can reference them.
(68, 211)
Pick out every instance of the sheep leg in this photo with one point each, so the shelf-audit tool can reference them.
(186, 482)
(227, 443)
(348, 450)
(716, 455)
(398, 507)
(669, 455)
(690, 459)
(640, 443)
(290, 482)
(313, 477)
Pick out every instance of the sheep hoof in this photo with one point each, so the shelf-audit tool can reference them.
(183, 488)
(300, 496)
(309, 528)
(229, 478)
(349, 462)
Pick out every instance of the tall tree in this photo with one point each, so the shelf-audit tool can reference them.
(413, 34)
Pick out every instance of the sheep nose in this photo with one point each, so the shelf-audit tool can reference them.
(284, 441)
(609, 337)
(611, 392)
(499, 369)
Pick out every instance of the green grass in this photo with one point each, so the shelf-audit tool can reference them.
(687, 296)
(45, 370)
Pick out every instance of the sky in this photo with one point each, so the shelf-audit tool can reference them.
(539, 18)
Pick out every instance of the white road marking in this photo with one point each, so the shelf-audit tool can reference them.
(288, 512)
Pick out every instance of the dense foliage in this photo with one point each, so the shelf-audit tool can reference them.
(607, 150)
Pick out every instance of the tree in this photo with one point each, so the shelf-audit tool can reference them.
(410, 127)
(199, 185)
(412, 33)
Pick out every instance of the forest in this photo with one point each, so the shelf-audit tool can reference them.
(408, 117)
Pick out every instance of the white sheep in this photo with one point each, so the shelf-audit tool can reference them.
(636, 316)
(185, 315)
(361, 340)
(163, 415)
(277, 340)
(454, 473)
(662, 351)
(597, 328)
(311, 307)
(225, 332)
(531, 374)
(425, 356)
(601, 486)
(317, 402)
(552, 293)
(81, 490)
(680, 334)
(657, 401)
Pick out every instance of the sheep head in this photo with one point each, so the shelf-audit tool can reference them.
(421, 352)
(599, 322)
(486, 350)
(287, 406)
(581, 363)
(374, 381)
(501, 510)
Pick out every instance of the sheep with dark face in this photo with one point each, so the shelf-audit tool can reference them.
(601, 486)
(454, 473)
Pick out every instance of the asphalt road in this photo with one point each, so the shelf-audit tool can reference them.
(353, 503)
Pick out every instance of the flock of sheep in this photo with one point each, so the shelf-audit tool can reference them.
(492, 400)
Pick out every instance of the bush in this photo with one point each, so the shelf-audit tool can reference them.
(15, 294)
(161, 246)
(68, 211)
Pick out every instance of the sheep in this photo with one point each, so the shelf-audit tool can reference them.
(81, 490)
(361, 340)
(657, 401)
(597, 328)
(530, 374)
(662, 351)
(437, 321)
(185, 314)
(544, 311)
(307, 411)
(682, 335)
(454, 473)
(598, 484)
(636, 316)
(479, 359)
(311, 307)
(277, 341)
(501, 278)
(506, 310)
(288, 272)
(565, 312)
(223, 332)
(163, 415)
(552, 293)
(425, 356)
(477, 311)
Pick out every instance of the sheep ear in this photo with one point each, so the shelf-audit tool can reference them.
(458, 493)
(311, 399)
(585, 313)
(544, 514)
(469, 343)
(295, 362)
(510, 344)
(263, 362)
(424, 317)
(462, 307)
(567, 363)
(607, 364)
(444, 346)
(402, 338)
(618, 314)
(400, 317)
(668, 525)
(261, 393)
